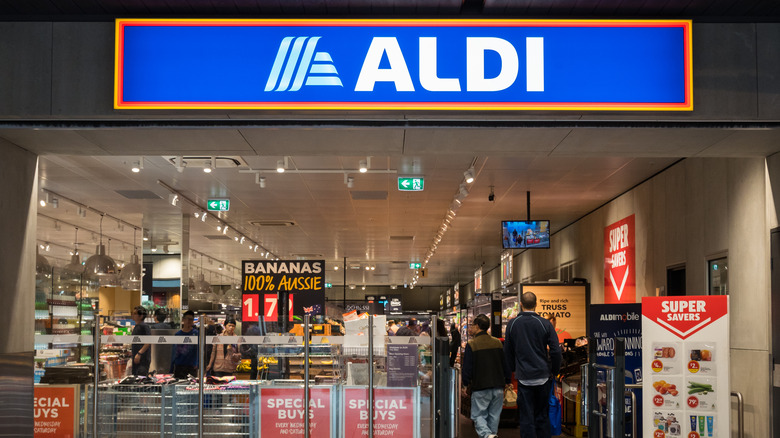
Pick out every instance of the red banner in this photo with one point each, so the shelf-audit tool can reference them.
(282, 412)
(620, 262)
(394, 412)
(55, 409)
(684, 316)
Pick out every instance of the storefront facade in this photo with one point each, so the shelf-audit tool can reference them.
(718, 201)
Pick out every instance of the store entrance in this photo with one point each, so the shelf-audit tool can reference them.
(775, 318)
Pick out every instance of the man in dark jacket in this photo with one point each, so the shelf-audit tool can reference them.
(487, 371)
(454, 343)
(527, 340)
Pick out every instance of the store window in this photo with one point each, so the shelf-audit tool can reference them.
(718, 276)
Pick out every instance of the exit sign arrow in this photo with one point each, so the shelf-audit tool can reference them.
(410, 184)
(218, 204)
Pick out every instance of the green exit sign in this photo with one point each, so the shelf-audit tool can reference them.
(410, 184)
(415, 265)
(328, 285)
(218, 204)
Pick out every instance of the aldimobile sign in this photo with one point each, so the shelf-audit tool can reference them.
(404, 64)
(685, 357)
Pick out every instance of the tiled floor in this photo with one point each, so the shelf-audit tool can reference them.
(467, 430)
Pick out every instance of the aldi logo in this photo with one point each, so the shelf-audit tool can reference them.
(404, 64)
(684, 316)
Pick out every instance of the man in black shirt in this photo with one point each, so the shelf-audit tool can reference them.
(142, 354)
(454, 343)
(527, 341)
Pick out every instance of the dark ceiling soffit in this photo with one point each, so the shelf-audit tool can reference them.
(381, 124)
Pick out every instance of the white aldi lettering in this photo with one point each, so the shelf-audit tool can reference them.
(476, 48)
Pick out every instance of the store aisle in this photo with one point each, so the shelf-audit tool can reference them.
(467, 430)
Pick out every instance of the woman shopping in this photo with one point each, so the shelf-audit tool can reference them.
(225, 357)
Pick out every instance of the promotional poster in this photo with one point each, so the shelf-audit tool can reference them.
(686, 357)
(610, 321)
(301, 282)
(620, 262)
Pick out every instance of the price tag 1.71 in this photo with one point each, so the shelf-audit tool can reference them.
(250, 308)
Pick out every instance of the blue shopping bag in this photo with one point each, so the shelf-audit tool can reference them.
(555, 412)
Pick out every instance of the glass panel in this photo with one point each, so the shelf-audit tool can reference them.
(718, 276)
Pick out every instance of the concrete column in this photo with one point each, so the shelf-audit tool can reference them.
(18, 209)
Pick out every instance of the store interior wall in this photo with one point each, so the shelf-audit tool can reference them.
(696, 209)
(18, 203)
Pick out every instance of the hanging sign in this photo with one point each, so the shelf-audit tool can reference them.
(620, 262)
(506, 268)
(301, 282)
(685, 355)
(56, 410)
(396, 412)
(381, 64)
(282, 412)
(478, 281)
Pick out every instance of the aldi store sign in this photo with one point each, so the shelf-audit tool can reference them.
(403, 64)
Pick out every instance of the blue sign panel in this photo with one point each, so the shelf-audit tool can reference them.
(610, 321)
(403, 64)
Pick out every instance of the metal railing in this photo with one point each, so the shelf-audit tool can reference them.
(740, 414)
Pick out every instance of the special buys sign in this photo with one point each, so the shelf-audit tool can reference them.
(685, 355)
(283, 410)
(396, 412)
(55, 410)
(403, 64)
(620, 262)
(302, 282)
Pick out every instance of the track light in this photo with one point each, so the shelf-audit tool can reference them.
(82, 212)
(363, 166)
(242, 240)
(137, 166)
(174, 199)
(280, 167)
(210, 165)
(261, 181)
(43, 203)
(469, 175)
(349, 181)
(224, 229)
(203, 217)
(55, 203)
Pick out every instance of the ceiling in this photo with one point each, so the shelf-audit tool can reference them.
(568, 172)
(569, 168)
(700, 10)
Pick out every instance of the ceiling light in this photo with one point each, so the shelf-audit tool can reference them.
(42, 266)
(154, 248)
(364, 287)
(101, 267)
(221, 266)
(55, 203)
(208, 166)
(197, 215)
(363, 166)
(236, 238)
(280, 167)
(43, 203)
(82, 212)
(242, 240)
(203, 217)
(373, 268)
(469, 175)
(224, 230)
(350, 182)
(173, 199)
(137, 166)
(351, 286)
(130, 277)
(335, 268)
(165, 249)
(367, 268)
(261, 181)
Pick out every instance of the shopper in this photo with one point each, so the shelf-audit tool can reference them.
(249, 351)
(141, 353)
(454, 343)
(486, 370)
(160, 315)
(392, 328)
(528, 337)
(410, 329)
(184, 360)
(224, 358)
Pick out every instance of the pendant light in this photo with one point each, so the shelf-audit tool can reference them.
(100, 266)
(130, 277)
(208, 294)
(42, 266)
(233, 295)
(202, 287)
(75, 265)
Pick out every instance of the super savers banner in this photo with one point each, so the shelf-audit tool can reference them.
(404, 64)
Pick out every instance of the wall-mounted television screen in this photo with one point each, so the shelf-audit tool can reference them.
(525, 234)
